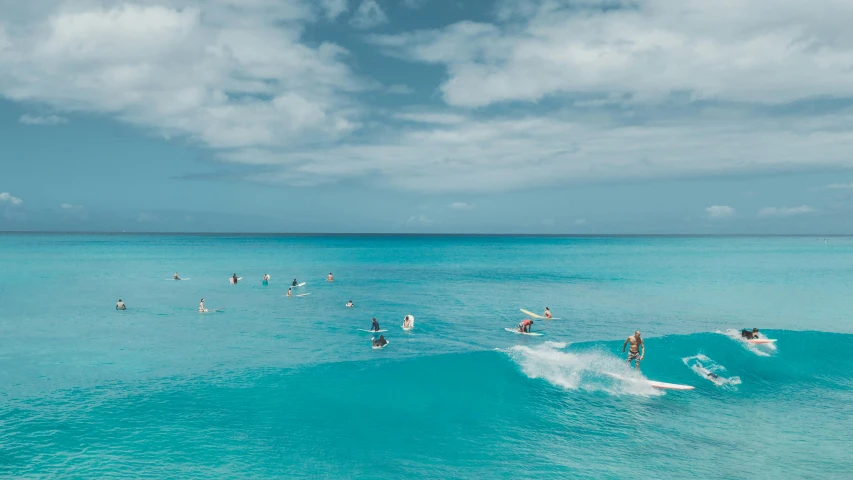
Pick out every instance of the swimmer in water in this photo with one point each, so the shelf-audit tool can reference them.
(375, 326)
(547, 313)
(634, 354)
(120, 305)
(288, 293)
(201, 308)
(350, 304)
(234, 278)
(266, 277)
(330, 278)
(380, 342)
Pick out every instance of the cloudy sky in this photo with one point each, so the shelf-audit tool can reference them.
(525, 116)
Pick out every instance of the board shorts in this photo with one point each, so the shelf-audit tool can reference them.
(633, 356)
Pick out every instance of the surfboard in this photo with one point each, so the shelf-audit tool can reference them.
(408, 328)
(177, 279)
(515, 330)
(760, 341)
(298, 285)
(302, 295)
(540, 317)
(371, 331)
(652, 383)
(231, 279)
(383, 346)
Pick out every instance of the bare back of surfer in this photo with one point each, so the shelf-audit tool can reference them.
(635, 354)
(201, 308)
(547, 313)
(330, 278)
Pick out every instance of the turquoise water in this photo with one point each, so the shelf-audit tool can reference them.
(288, 387)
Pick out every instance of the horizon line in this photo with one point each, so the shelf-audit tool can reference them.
(386, 234)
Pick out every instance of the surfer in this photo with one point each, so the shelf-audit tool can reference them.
(634, 353)
(288, 293)
(266, 277)
(547, 313)
(295, 283)
(407, 321)
(176, 276)
(330, 278)
(749, 335)
(120, 305)
(524, 326)
(201, 308)
(234, 278)
(350, 304)
(375, 326)
(380, 342)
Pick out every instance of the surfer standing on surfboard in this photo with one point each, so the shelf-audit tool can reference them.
(634, 353)
(524, 326)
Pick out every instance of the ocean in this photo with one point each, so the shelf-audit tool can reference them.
(278, 387)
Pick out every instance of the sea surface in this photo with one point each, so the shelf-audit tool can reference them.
(277, 387)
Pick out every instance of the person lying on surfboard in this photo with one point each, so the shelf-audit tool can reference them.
(350, 304)
(745, 333)
(380, 342)
(634, 354)
(120, 305)
(547, 313)
(524, 326)
(375, 326)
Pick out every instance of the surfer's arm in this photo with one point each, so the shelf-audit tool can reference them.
(643, 351)
(626, 343)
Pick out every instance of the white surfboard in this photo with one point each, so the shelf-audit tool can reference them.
(515, 330)
(383, 346)
(411, 319)
(302, 295)
(231, 279)
(540, 317)
(408, 329)
(298, 285)
(371, 331)
(761, 341)
(652, 383)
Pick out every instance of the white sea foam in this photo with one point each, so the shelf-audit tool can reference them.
(703, 366)
(593, 371)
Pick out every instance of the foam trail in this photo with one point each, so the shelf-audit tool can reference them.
(590, 371)
(703, 366)
(763, 350)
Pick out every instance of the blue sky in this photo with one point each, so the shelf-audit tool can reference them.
(532, 116)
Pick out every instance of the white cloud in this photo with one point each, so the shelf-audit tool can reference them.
(334, 8)
(580, 221)
(70, 207)
(720, 211)
(840, 186)
(202, 72)
(41, 120)
(785, 211)
(414, 4)
(758, 51)
(420, 220)
(461, 206)
(368, 15)
(6, 197)
(438, 118)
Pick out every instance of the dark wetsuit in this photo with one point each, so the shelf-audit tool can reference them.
(375, 326)
(381, 342)
(747, 334)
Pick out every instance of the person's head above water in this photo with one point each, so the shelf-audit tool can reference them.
(119, 299)
(754, 330)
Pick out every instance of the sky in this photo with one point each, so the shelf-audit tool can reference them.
(427, 116)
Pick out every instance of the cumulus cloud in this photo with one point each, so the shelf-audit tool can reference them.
(785, 211)
(420, 220)
(759, 51)
(334, 8)
(720, 211)
(461, 206)
(6, 197)
(41, 120)
(368, 15)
